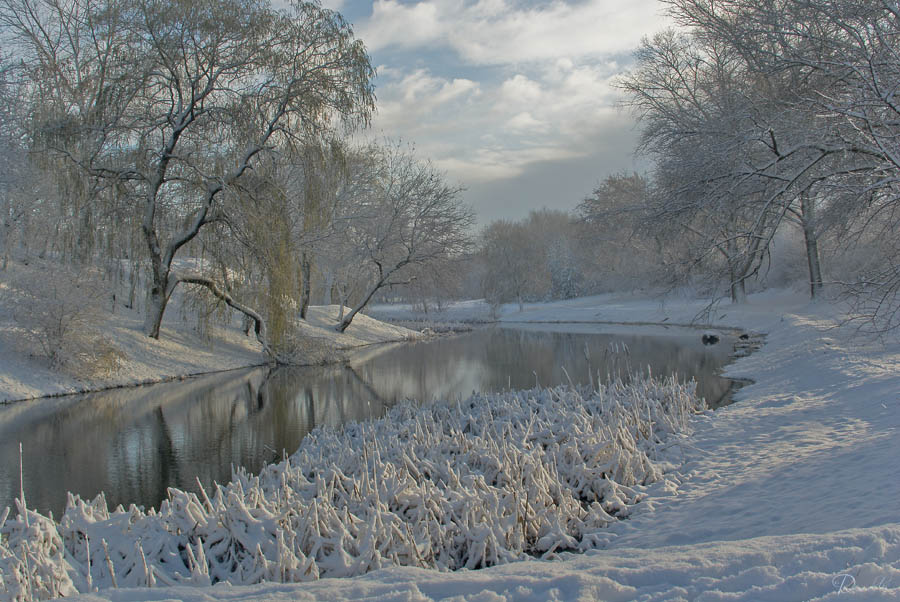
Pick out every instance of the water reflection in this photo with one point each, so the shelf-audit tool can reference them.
(498, 358)
(135, 443)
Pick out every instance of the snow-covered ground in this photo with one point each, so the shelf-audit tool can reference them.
(793, 493)
(180, 350)
(320, 321)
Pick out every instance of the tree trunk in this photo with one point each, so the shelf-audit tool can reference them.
(327, 298)
(305, 284)
(159, 273)
(384, 278)
(4, 234)
(132, 284)
(157, 299)
(341, 303)
(736, 276)
(343, 324)
(737, 271)
(5, 246)
(158, 293)
(811, 238)
(738, 291)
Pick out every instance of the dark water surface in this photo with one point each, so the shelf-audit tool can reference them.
(135, 443)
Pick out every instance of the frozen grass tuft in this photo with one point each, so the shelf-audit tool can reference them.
(490, 480)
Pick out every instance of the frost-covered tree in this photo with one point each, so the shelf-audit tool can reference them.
(722, 180)
(544, 256)
(177, 101)
(290, 218)
(840, 66)
(559, 270)
(13, 164)
(334, 177)
(625, 249)
(510, 261)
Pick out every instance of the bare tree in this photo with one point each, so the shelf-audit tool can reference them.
(333, 175)
(548, 255)
(721, 175)
(511, 261)
(13, 163)
(615, 228)
(411, 217)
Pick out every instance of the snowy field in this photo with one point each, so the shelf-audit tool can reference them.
(793, 493)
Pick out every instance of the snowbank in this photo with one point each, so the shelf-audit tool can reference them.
(321, 320)
(858, 565)
(179, 352)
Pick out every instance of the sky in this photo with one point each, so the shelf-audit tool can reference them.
(512, 99)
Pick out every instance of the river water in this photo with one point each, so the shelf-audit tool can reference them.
(134, 443)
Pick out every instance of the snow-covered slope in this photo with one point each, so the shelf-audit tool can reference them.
(320, 321)
(180, 350)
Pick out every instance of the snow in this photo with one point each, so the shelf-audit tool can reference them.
(787, 568)
(321, 319)
(179, 352)
(789, 494)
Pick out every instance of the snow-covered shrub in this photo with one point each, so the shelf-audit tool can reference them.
(32, 559)
(59, 311)
(474, 483)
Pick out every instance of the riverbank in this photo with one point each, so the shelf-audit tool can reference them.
(789, 494)
(179, 352)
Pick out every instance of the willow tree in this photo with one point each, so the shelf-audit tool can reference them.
(178, 99)
(13, 164)
(327, 185)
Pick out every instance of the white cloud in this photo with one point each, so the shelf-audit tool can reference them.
(537, 97)
(333, 4)
(487, 164)
(497, 32)
(571, 103)
(405, 25)
(407, 100)
(525, 122)
(520, 91)
(481, 131)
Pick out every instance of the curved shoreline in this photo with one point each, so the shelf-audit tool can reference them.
(97, 388)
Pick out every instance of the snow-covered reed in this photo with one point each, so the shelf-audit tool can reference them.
(472, 483)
